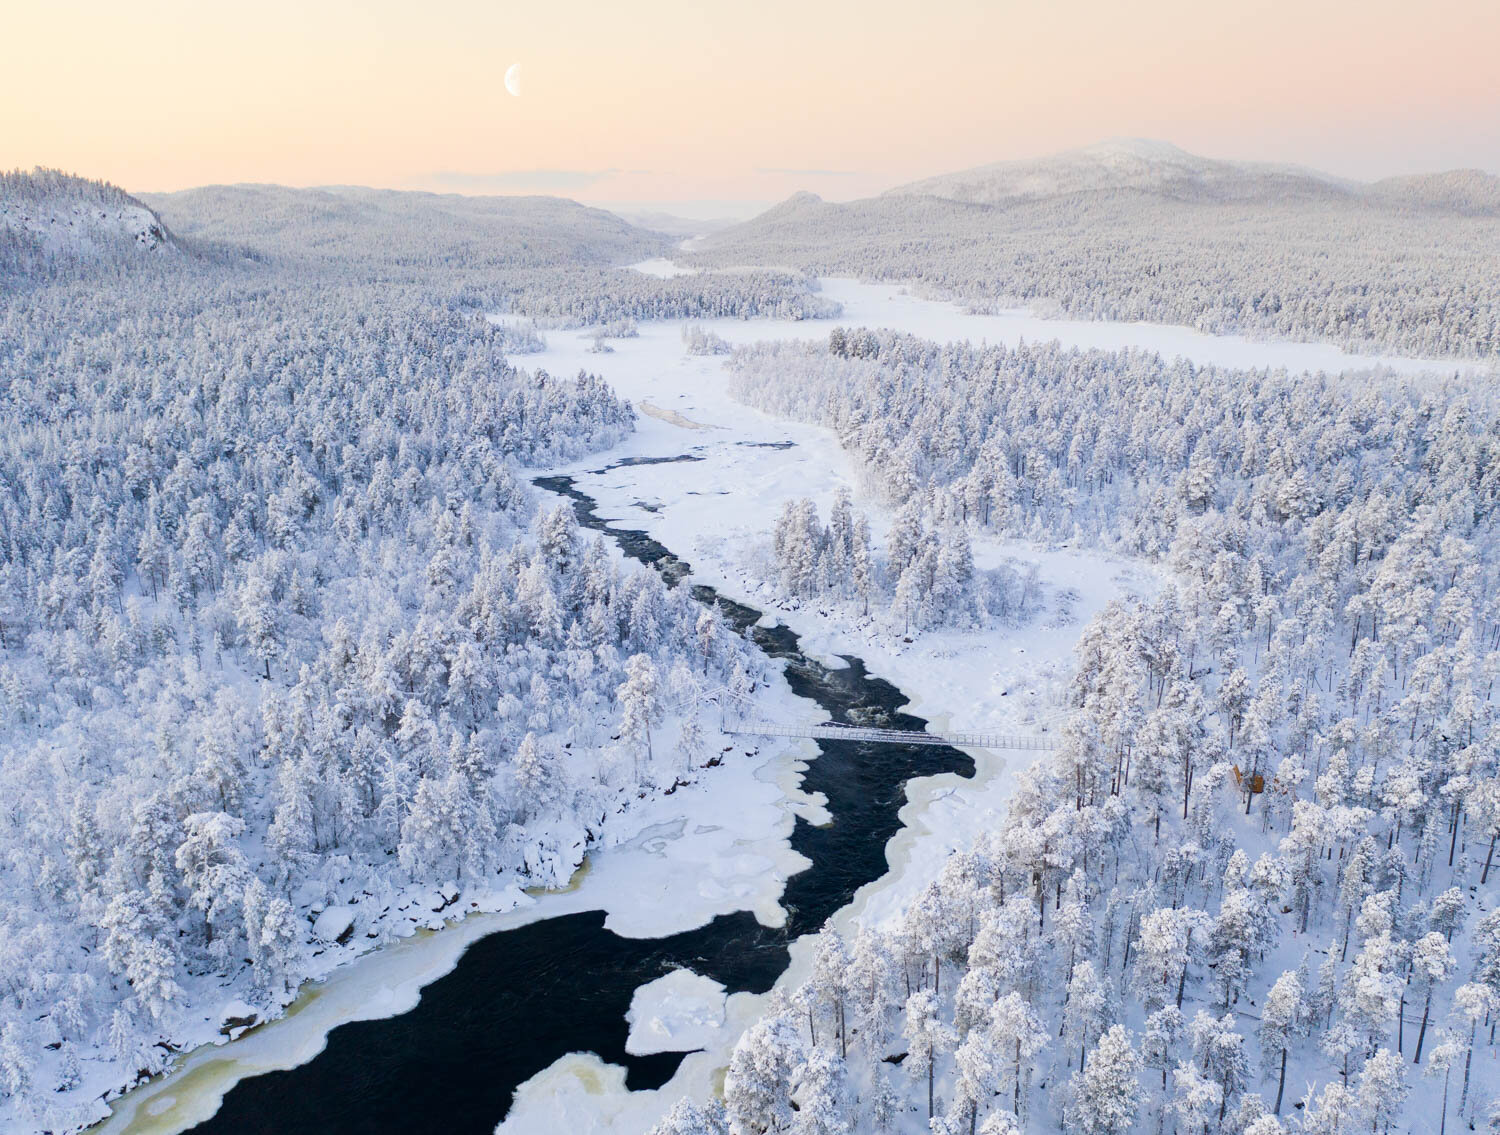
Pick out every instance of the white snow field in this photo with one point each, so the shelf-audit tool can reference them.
(662, 268)
(723, 845)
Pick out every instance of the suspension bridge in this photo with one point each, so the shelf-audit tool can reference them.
(735, 720)
(834, 731)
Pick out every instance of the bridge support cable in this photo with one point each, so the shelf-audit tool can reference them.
(832, 731)
(735, 714)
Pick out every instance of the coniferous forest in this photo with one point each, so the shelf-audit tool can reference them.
(371, 560)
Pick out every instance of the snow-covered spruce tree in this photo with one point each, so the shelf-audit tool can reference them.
(1105, 1095)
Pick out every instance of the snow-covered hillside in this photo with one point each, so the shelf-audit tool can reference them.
(555, 262)
(343, 222)
(1148, 166)
(367, 405)
(63, 218)
(1457, 190)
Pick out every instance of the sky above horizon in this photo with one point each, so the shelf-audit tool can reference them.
(667, 102)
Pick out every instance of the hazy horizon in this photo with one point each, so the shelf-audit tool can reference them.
(670, 102)
(718, 210)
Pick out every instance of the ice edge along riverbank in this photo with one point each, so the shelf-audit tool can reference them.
(749, 807)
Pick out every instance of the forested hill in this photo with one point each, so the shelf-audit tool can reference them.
(1127, 163)
(1143, 231)
(415, 230)
(52, 221)
(1164, 170)
(554, 261)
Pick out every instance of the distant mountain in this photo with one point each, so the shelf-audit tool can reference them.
(1458, 191)
(671, 224)
(345, 222)
(1161, 169)
(798, 204)
(48, 217)
(1124, 163)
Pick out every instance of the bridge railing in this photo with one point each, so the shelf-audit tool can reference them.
(832, 731)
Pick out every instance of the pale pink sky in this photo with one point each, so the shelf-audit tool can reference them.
(676, 100)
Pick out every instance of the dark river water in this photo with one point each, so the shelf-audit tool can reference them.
(520, 999)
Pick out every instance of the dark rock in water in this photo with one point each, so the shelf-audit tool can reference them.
(236, 1017)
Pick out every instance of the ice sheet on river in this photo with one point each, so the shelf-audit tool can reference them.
(681, 1012)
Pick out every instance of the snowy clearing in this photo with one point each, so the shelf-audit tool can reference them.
(663, 269)
(896, 306)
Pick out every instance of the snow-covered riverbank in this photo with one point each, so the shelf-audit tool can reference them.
(717, 846)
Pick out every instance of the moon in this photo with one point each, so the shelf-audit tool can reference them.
(513, 79)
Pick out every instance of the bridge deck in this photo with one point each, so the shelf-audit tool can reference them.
(831, 731)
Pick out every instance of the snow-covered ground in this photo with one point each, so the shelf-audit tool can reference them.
(662, 268)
